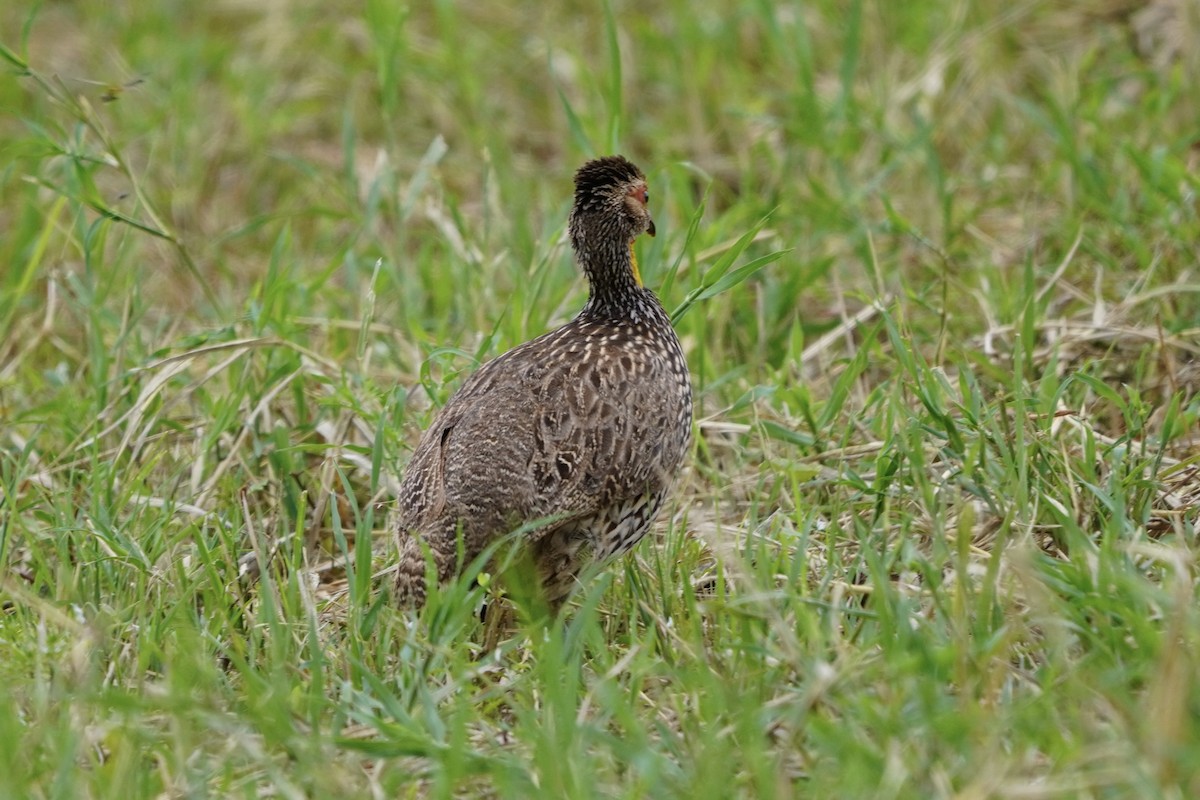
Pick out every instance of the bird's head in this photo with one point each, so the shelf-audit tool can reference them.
(610, 202)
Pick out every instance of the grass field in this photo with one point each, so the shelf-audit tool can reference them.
(936, 269)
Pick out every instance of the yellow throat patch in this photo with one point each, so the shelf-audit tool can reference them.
(637, 274)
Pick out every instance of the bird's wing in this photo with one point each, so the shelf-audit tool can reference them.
(542, 432)
(601, 428)
(472, 463)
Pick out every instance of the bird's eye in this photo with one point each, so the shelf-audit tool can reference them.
(645, 195)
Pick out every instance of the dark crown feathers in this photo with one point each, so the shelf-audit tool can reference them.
(596, 179)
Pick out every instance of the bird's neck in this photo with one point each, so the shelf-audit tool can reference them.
(612, 273)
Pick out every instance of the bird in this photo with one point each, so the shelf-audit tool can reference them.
(576, 435)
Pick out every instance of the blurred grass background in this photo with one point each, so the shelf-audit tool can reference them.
(937, 537)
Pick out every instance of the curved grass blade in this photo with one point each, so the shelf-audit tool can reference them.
(722, 276)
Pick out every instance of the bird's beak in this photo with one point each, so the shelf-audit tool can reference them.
(650, 229)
